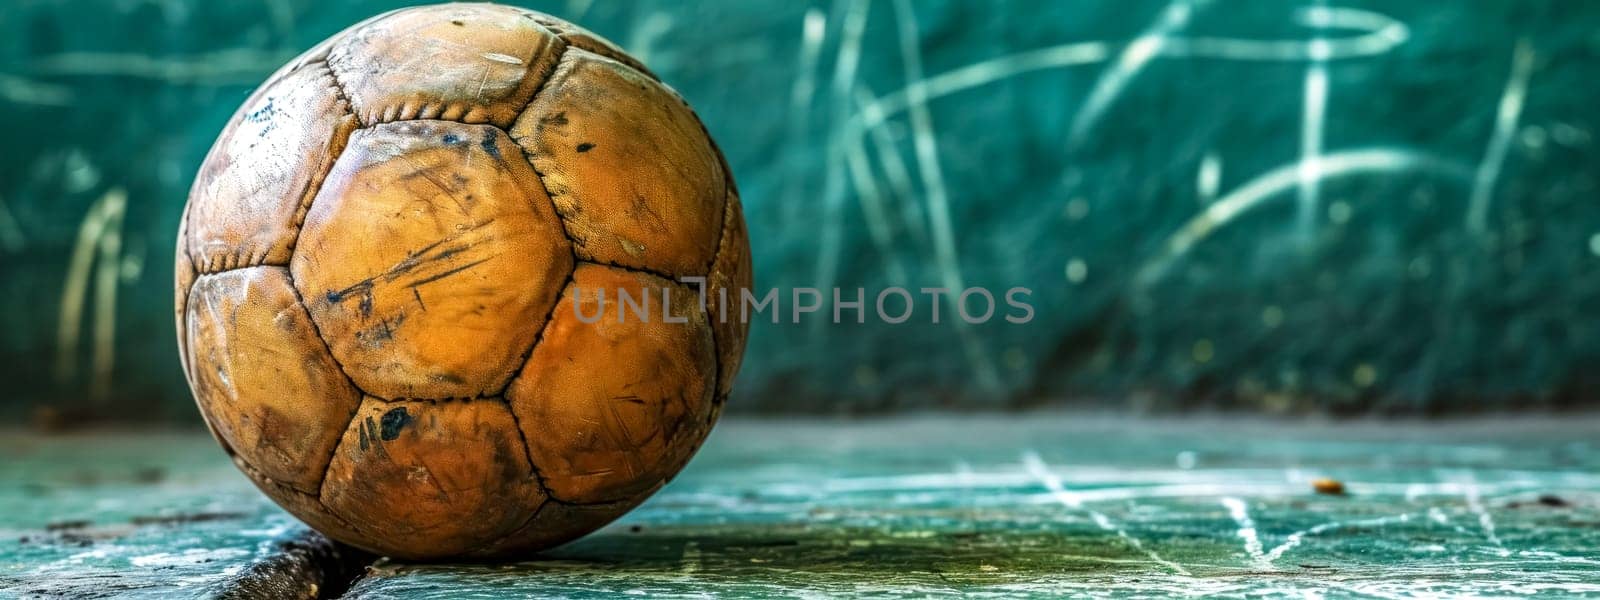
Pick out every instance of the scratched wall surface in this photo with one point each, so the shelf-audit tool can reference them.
(1338, 205)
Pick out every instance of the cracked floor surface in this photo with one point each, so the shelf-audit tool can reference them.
(1041, 504)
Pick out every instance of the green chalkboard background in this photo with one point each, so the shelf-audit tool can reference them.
(1339, 206)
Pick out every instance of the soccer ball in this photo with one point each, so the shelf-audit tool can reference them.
(389, 271)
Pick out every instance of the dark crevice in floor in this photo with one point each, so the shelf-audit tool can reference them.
(306, 564)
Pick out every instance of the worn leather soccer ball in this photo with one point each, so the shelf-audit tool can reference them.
(377, 268)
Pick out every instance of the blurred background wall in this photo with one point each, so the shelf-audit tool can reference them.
(1333, 206)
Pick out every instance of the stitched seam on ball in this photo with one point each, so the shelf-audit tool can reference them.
(527, 449)
(335, 56)
(312, 192)
(439, 400)
(728, 198)
(336, 147)
(527, 453)
(527, 155)
(722, 162)
(234, 259)
(294, 285)
(728, 191)
(199, 272)
(722, 236)
(572, 248)
(728, 194)
(257, 475)
(559, 28)
(582, 254)
(549, 317)
(518, 530)
(338, 88)
(631, 269)
(299, 300)
(415, 108)
(555, 500)
(317, 330)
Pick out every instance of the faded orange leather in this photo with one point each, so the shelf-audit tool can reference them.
(378, 268)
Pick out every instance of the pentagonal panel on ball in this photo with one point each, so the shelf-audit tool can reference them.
(612, 403)
(430, 259)
(247, 200)
(475, 63)
(632, 173)
(261, 376)
(434, 478)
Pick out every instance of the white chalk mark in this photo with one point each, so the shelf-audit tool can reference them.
(11, 238)
(190, 556)
(1473, 495)
(1247, 531)
(1276, 181)
(100, 231)
(1000, 480)
(222, 67)
(926, 144)
(642, 40)
(1209, 178)
(24, 91)
(1296, 538)
(1381, 34)
(848, 59)
(1414, 491)
(1372, 590)
(1313, 120)
(813, 31)
(107, 274)
(692, 559)
(1505, 125)
(1040, 471)
(846, 62)
(876, 214)
(576, 9)
(1202, 490)
(1558, 557)
(963, 471)
(1133, 59)
(1437, 516)
(985, 72)
(963, 475)
(282, 16)
(1166, 484)
(894, 167)
(73, 291)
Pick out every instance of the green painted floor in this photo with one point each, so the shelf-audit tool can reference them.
(1045, 504)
